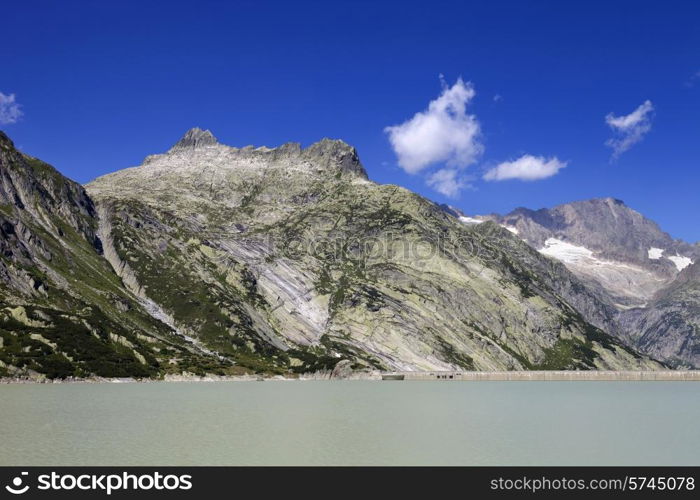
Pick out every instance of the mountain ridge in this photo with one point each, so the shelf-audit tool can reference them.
(628, 260)
(289, 260)
(273, 198)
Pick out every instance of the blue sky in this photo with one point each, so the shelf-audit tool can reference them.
(102, 84)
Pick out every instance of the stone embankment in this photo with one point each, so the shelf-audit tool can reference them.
(516, 376)
(533, 376)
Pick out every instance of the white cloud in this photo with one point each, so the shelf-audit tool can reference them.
(629, 129)
(443, 133)
(525, 168)
(448, 181)
(9, 109)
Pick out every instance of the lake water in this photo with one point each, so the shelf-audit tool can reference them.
(352, 423)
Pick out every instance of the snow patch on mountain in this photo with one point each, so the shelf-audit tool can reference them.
(631, 282)
(680, 261)
(655, 253)
(566, 252)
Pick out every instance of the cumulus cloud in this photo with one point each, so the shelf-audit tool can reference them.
(629, 129)
(448, 181)
(443, 133)
(525, 168)
(9, 109)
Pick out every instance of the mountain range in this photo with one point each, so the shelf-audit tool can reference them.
(630, 263)
(214, 259)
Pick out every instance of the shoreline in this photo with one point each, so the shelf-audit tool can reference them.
(441, 376)
(559, 376)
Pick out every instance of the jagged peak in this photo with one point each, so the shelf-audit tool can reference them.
(194, 138)
(608, 200)
(616, 201)
(289, 147)
(338, 152)
(328, 153)
(327, 145)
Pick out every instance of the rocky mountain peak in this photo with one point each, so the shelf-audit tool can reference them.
(330, 146)
(194, 138)
(340, 153)
(601, 207)
(606, 200)
(333, 155)
(604, 240)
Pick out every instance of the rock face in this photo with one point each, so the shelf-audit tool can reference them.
(63, 311)
(607, 242)
(669, 328)
(626, 261)
(195, 138)
(290, 259)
